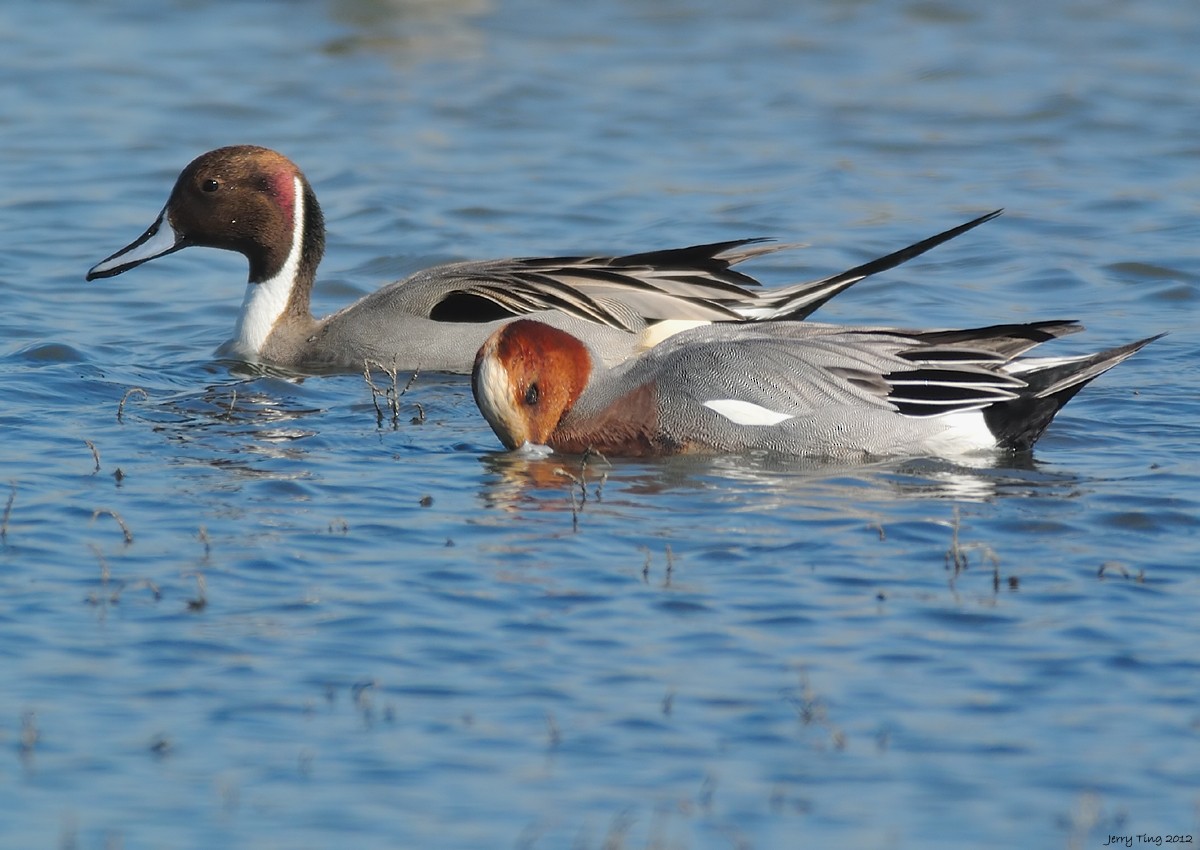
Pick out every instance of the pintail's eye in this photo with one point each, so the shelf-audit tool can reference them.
(532, 395)
(210, 185)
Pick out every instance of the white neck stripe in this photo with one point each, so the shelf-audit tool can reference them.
(265, 302)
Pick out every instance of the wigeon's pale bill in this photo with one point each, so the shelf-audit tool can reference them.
(794, 388)
(257, 202)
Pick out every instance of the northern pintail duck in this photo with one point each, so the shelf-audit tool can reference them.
(795, 388)
(257, 202)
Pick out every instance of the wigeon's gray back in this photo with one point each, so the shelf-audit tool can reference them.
(257, 202)
(802, 389)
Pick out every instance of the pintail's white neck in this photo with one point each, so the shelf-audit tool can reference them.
(265, 302)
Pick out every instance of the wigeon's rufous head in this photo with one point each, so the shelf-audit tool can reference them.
(526, 377)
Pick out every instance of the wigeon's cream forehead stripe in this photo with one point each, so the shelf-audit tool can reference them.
(747, 412)
(493, 389)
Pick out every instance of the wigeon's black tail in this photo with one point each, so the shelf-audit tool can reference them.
(1052, 382)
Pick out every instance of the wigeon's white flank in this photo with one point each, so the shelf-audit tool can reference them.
(257, 202)
(803, 389)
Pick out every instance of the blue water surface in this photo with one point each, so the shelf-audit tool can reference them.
(245, 611)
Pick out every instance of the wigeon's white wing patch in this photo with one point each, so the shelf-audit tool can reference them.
(747, 412)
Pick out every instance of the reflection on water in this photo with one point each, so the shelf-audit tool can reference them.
(411, 640)
(520, 481)
(229, 425)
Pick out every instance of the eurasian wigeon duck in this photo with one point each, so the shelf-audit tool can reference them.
(794, 388)
(257, 202)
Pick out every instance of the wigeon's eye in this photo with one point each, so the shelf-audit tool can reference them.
(532, 395)
(210, 185)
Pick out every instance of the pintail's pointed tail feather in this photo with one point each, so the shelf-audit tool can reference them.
(800, 300)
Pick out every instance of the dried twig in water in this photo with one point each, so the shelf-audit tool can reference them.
(102, 597)
(618, 832)
(29, 734)
(670, 566)
(363, 694)
(391, 394)
(146, 583)
(580, 481)
(105, 572)
(95, 455)
(124, 528)
(115, 597)
(813, 711)
(1121, 570)
(588, 455)
(201, 600)
(125, 398)
(956, 555)
(374, 399)
(574, 501)
(708, 789)
(375, 392)
(8, 512)
(360, 692)
(160, 745)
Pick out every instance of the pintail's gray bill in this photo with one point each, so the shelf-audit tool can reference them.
(159, 239)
